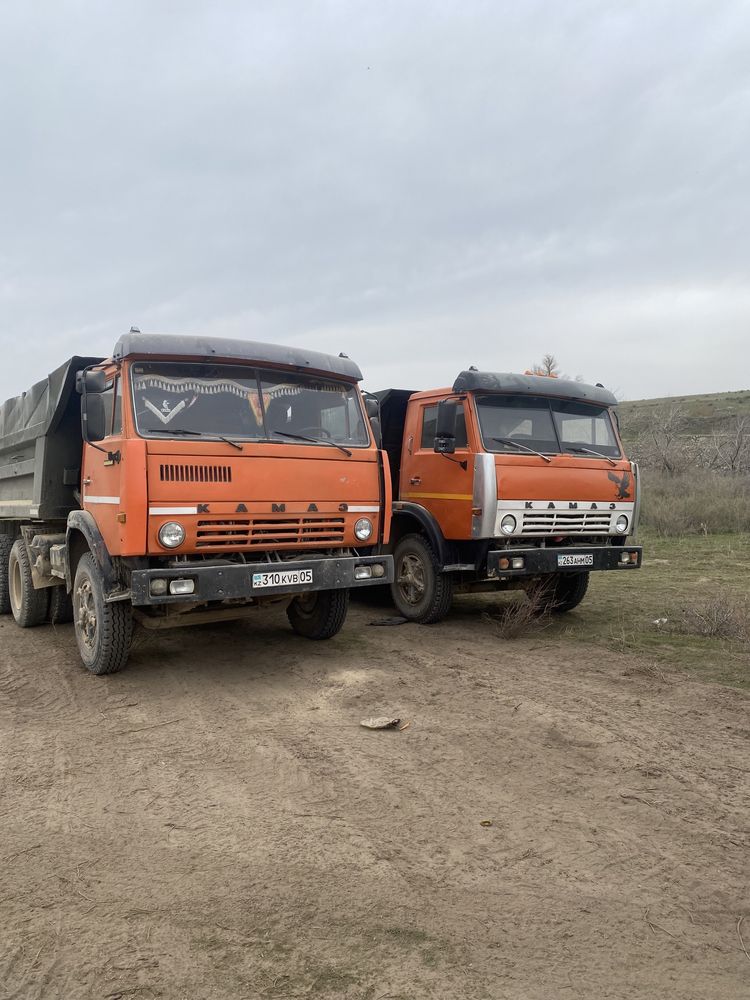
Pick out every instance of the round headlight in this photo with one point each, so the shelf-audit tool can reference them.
(171, 535)
(508, 524)
(621, 524)
(363, 529)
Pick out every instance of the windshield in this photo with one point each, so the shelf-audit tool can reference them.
(515, 423)
(244, 403)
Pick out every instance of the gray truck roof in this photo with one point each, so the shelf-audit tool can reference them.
(533, 385)
(225, 349)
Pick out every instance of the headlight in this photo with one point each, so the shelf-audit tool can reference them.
(621, 524)
(363, 528)
(508, 524)
(171, 535)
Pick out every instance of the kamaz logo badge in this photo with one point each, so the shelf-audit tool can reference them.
(572, 505)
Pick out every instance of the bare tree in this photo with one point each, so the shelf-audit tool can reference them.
(549, 365)
(664, 443)
(729, 450)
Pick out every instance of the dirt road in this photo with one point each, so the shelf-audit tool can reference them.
(214, 823)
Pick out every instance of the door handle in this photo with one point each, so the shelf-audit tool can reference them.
(87, 481)
(415, 481)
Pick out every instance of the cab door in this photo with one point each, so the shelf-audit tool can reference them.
(101, 475)
(442, 484)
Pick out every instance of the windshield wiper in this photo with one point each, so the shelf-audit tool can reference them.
(180, 432)
(516, 444)
(311, 440)
(588, 451)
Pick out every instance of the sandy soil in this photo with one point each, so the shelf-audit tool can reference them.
(214, 823)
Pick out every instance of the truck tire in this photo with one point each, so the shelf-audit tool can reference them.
(6, 544)
(568, 591)
(29, 606)
(60, 606)
(420, 592)
(103, 631)
(319, 615)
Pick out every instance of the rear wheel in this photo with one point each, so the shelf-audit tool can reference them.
(319, 615)
(29, 606)
(6, 544)
(60, 606)
(103, 631)
(567, 592)
(420, 592)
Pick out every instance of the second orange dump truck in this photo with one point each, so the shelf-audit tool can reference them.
(506, 481)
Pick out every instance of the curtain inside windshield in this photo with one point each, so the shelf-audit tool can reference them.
(244, 403)
(546, 425)
(315, 408)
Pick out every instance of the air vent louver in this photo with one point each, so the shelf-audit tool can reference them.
(195, 473)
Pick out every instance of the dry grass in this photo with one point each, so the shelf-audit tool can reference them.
(524, 614)
(717, 616)
(701, 503)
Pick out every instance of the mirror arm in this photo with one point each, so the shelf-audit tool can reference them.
(459, 461)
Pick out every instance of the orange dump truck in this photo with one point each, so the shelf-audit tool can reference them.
(185, 480)
(502, 482)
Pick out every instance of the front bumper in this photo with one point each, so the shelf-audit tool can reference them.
(540, 562)
(233, 581)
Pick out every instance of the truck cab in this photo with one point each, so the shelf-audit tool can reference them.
(506, 481)
(188, 480)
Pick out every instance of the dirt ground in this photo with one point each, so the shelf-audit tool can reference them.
(214, 823)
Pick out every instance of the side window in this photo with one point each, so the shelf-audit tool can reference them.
(429, 423)
(429, 426)
(108, 398)
(117, 415)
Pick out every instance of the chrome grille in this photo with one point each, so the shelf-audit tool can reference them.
(169, 473)
(564, 522)
(247, 532)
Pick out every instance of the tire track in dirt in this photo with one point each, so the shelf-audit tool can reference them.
(214, 822)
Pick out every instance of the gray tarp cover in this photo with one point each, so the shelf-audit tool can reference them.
(35, 413)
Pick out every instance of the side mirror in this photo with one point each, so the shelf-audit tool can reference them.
(93, 418)
(377, 431)
(372, 407)
(445, 432)
(93, 382)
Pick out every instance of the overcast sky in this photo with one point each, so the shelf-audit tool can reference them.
(423, 185)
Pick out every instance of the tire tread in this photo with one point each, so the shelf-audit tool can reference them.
(34, 603)
(6, 544)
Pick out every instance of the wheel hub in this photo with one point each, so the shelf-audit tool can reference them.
(86, 613)
(16, 586)
(411, 578)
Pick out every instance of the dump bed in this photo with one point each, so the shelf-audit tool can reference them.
(41, 446)
(393, 406)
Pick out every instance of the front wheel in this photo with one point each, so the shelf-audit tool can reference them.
(566, 592)
(420, 592)
(103, 631)
(320, 614)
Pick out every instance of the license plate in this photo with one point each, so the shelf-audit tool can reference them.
(584, 559)
(282, 578)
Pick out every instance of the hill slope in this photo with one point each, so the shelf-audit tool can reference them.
(703, 414)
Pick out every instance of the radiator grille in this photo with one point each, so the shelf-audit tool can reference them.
(238, 533)
(554, 522)
(195, 473)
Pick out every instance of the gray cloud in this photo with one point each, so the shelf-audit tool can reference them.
(423, 185)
